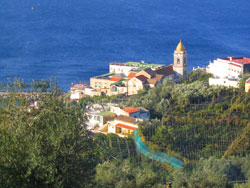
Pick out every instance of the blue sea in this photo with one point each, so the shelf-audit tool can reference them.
(76, 39)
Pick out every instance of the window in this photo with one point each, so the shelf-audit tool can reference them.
(178, 60)
(96, 85)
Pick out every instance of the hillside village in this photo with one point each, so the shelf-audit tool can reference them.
(176, 120)
(130, 77)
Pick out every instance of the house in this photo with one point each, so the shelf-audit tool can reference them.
(228, 82)
(230, 67)
(103, 83)
(125, 68)
(146, 78)
(123, 125)
(138, 113)
(155, 81)
(247, 85)
(228, 71)
(119, 87)
(136, 84)
(91, 92)
(149, 73)
(77, 90)
(165, 71)
(97, 119)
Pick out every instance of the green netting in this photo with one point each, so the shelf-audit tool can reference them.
(158, 156)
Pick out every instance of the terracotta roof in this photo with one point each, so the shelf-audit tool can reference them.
(234, 65)
(114, 78)
(79, 85)
(141, 78)
(131, 110)
(156, 79)
(126, 126)
(131, 75)
(126, 119)
(165, 71)
(240, 60)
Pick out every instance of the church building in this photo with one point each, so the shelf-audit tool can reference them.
(180, 61)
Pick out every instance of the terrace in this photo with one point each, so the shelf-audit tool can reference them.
(110, 76)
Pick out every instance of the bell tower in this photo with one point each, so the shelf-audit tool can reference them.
(180, 60)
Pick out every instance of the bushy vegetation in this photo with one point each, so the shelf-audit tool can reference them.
(49, 146)
(193, 120)
(213, 172)
(129, 174)
(46, 146)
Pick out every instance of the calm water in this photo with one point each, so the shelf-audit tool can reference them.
(74, 40)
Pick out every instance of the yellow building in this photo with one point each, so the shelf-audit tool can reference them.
(103, 83)
(136, 84)
(247, 85)
(123, 125)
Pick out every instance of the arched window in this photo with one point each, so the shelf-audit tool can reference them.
(178, 60)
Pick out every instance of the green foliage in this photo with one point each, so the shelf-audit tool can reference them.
(243, 185)
(212, 173)
(44, 147)
(196, 120)
(197, 75)
(127, 174)
(49, 146)
(242, 81)
(161, 99)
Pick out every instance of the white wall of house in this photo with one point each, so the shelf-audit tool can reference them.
(94, 120)
(223, 82)
(134, 85)
(125, 123)
(221, 68)
(120, 68)
(139, 115)
(76, 94)
(111, 128)
(118, 111)
(92, 92)
(116, 90)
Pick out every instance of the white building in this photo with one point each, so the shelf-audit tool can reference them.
(125, 68)
(122, 125)
(228, 71)
(77, 90)
(228, 82)
(231, 67)
(138, 113)
(97, 119)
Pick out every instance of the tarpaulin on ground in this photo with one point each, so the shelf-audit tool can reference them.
(156, 155)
